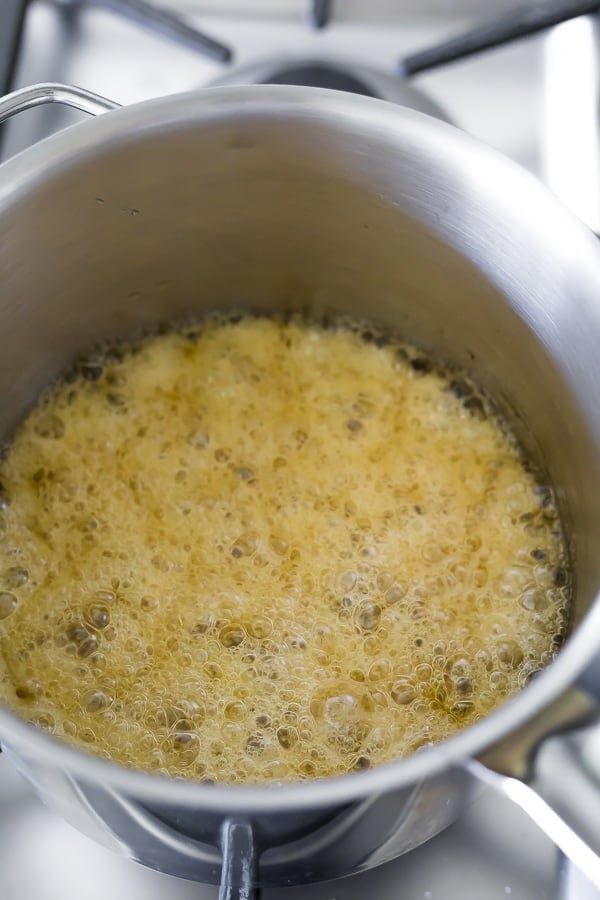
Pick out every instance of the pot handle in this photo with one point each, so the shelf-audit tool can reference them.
(551, 769)
(68, 95)
(238, 872)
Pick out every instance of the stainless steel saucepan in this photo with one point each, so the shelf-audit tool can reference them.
(276, 197)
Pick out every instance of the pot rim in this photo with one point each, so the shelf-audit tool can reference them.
(21, 174)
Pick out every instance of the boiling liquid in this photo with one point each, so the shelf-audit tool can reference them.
(266, 551)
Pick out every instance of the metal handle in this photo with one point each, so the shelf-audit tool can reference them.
(551, 769)
(238, 873)
(39, 94)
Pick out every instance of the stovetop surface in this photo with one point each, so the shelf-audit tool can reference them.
(492, 853)
(537, 102)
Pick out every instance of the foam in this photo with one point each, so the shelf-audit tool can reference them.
(265, 551)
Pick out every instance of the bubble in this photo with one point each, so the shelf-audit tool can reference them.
(459, 666)
(50, 426)
(87, 647)
(8, 604)
(186, 746)
(348, 580)
(192, 709)
(424, 672)
(183, 725)
(103, 596)
(482, 658)
(498, 682)
(375, 700)
(462, 708)
(547, 657)
(278, 545)
(384, 581)
(510, 653)
(379, 670)
(533, 599)
(396, 593)
(256, 744)
(45, 721)
(463, 685)
(245, 545)
(297, 642)
(560, 577)
(529, 671)
(338, 709)
(213, 670)
(96, 701)
(367, 616)
(287, 737)
(232, 635)
(372, 645)
(204, 624)
(149, 603)
(98, 616)
(29, 690)
(235, 711)
(15, 577)
(432, 552)
(77, 632)
(198, 439)
(403, 692)
(260, 627)
(354, 426)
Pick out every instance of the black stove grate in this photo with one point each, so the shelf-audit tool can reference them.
(12, 22)
(514, 25)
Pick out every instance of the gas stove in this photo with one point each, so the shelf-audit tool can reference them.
(536, 100)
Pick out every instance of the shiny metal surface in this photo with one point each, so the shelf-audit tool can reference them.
(335, 203)
(495, 850)
(536, 101)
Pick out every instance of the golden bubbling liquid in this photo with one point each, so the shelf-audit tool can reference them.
(264, 551)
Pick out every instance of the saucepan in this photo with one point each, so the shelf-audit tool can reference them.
(283, 198)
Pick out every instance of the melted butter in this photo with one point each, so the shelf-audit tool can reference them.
(269, 551)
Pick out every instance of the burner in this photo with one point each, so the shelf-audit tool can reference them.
(320, 75)
(337, 76)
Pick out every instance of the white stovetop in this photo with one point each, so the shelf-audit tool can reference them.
(536, 101)
(493, 853)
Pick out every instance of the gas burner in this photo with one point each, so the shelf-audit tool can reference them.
(323, 75)
(355, 79)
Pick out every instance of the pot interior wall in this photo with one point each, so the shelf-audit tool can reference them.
(272, 213)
